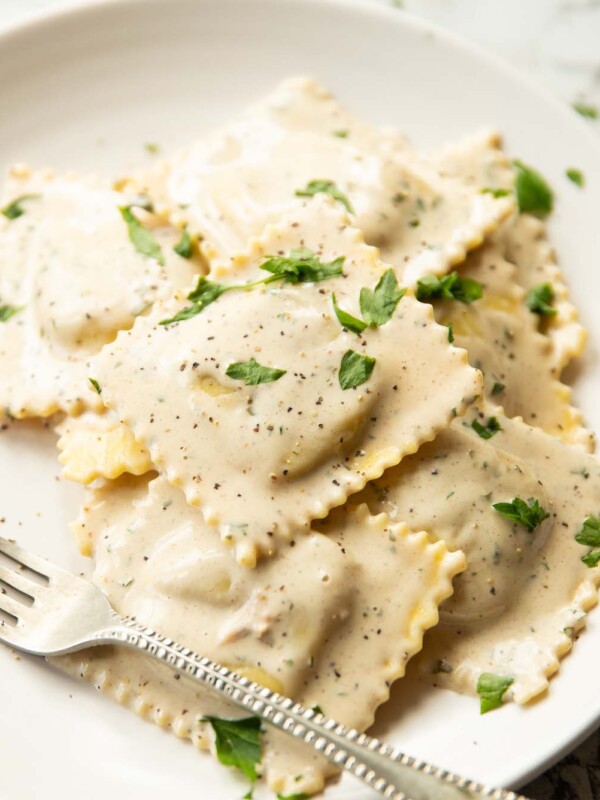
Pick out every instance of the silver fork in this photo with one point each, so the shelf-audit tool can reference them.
(56, 612)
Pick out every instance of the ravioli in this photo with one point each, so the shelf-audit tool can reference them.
(229, 185)
(524, 595)
(72, 278)
(500, 335)
(291, 448)
(94, 445)
(308, 623)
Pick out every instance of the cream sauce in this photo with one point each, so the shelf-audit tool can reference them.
(291, 449)
(523, 595)
(307, 623)
(51, 260)
(228, 185)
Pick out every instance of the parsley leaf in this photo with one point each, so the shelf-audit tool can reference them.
(589, 535)
(141, 238)
(347, 320)
(355, 369)
(491, 689)
(586, 110)
(539, 299)
(237, 743)
(318, 710)
(15, 209)
(325, 187)
(497, 388)
(301, 796)
(185, 246)
(6, 312)
(496, 192)
(533, 193)
(302, 266)
(519, 511)
(449, 287)
(341, 134)
(491, 428)
(96, 385)
(450, 333)
(378, 305)
(576, 176)
(205, 293)
(253, 373)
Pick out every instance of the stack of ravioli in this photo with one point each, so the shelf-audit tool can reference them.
(311, 378)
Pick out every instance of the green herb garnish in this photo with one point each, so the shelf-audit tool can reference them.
(185, 246)
(325, 187)
(301, 796)
(539, 300)
(498, 388)
(491, 689)
(449, 287)
(576, 176)
(15, 209)
(96, 385)
(533, 193)
(6, 312)
(347, 320)
(586, 110)
(152, 148)
(496, 192)
(355, 369)
(253, 373)
(589, 535)
(300, 266)
(529, 514)
(491, 428)
(378, 305)
(318, 710)
(141, 238)
(237, 742)
(450, 333)
(341, 134)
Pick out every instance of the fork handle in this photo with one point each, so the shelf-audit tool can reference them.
(387, 770)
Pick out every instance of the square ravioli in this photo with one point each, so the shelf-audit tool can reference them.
(524, 596)
(332, 621)
(270, 404)
(58, 235)
(298, 141)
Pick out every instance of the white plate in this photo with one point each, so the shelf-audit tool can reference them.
(85, 90)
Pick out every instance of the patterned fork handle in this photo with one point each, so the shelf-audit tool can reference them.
(391, 773)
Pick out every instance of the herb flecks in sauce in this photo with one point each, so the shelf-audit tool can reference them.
(185, 246)
(491, 428)
(96, 386)
(355, 369)
(6, 312)
(589, 535)
(534, 196)
(539, 300)
(586, 110)
(491, 689)
(141, 238)
(529, 514)
(576, 176)
(325, 187)
(14, 209)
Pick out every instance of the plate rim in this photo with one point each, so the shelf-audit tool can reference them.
(78, 10)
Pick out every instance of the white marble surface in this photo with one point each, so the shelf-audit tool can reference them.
(558, 43)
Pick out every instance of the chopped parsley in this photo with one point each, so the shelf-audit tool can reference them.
(586, 110)
(347, 320)
(449, 287)
(497, 388)
(301, 796)
(253, 373)
(496, 192)
(318, 710)
(491, 689)
(185, 246)
(6, 312)
(152, 148)
(325, 187)
(96, 385)
(539, 300)
(589, 535)
(450, 333)
(141, 238)
(237, 742)
(576, 176)
(355, 369)
(533, 193)
(491, 428)
(300, 266)
(15, 209)
(341, 134)
(529, 514)
(378, 305)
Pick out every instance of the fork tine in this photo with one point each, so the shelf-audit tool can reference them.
(17, 580)
(12, 606)
(12, 550)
